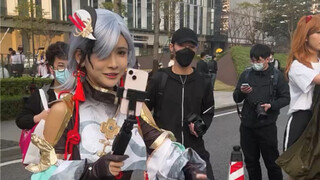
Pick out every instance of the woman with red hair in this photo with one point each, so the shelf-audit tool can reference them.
(302, 70)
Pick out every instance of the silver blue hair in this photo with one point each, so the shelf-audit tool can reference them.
(108, 28)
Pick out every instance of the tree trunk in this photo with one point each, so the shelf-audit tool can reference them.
(156, 29)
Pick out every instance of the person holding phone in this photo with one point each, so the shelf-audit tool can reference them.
(83, 126)
(264, 91)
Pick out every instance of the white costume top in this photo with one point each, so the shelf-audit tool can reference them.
(301, 86)
(92, 114)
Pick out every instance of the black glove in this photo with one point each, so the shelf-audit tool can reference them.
(191, 171)
(100, 168)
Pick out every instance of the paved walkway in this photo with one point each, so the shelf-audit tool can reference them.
(10, 133)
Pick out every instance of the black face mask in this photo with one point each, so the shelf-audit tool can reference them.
(184, 57)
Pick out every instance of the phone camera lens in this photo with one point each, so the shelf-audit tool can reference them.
(134, 77)
(130, 72)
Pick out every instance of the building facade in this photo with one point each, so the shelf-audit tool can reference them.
(199, 15)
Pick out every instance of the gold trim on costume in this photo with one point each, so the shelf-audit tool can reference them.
(86, 31)
(162, 138)
(104, 90)
(48, 155)
(147, 117)
(110, 129)
(68, 114)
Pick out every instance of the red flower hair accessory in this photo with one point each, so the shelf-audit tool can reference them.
(83, 22)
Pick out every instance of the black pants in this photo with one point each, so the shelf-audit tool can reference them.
(260, 140)
(206, 157)
(296, 124)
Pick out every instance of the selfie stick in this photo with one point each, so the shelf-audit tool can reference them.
(121, 141)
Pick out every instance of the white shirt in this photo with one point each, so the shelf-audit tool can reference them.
(301, 86)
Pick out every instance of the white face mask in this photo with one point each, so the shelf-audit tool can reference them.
(257, 66)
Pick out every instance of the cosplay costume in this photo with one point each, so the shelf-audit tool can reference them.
(166, 159)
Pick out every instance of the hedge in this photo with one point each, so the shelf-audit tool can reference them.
(13, 90)
(20, 86)
(11, 106)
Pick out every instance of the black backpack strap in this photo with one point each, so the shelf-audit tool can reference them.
(162, 81)
(246, 79)
(273, 84)
(162, 84)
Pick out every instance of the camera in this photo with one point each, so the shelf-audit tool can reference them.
(261, 113)
(199, 126)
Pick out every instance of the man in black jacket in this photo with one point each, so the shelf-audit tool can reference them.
(213, 68)
(264, 91)
(179, 91)
(202, 66)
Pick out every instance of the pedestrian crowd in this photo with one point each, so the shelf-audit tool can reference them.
(87, 135)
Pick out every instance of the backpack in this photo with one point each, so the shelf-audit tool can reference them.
(162, 78)
(273, 86)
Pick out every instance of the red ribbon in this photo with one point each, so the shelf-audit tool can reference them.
(79, 94)
(119, 176)
(138, 121)
(308, 18)
(73, 136)
(146, 177)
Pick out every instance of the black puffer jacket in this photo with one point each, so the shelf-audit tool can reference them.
(260, 82)
(178, 100)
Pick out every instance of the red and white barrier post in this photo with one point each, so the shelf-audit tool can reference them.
(236, 171)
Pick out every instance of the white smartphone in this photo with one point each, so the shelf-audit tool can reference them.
(245, 85)
(136, 79)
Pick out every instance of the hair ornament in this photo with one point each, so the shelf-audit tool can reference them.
(84, 23)
(308, 18)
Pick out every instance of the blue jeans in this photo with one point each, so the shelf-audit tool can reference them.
(213, 78)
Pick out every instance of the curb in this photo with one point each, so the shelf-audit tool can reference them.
(228, 107)
(11, 153)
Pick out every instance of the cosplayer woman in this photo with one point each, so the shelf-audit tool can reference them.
(101, 49)
(303, 71)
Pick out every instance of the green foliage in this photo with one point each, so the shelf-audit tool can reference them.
(26, 21)
(279, 18)
(282, 58)
(110, 6)
(20, 86)
(241, 58)
(12, 92)
(10, 106)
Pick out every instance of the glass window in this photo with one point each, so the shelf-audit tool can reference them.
(139, 13)
(149, 14)
(130, 13)
(83, 3)
(55, 9)
(95, 4)
(69, 8)
(3, 7)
